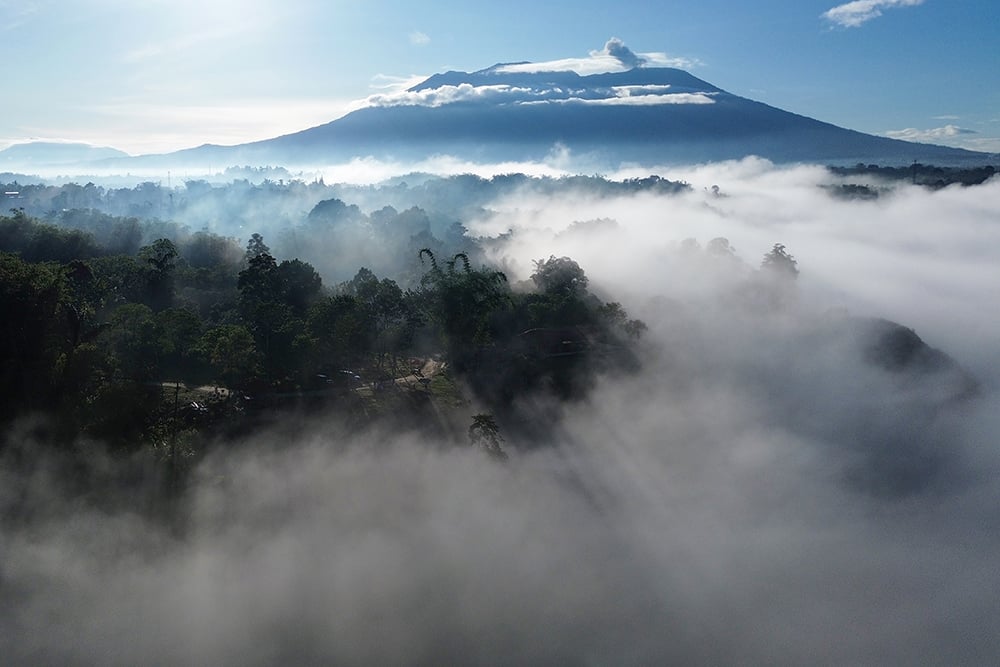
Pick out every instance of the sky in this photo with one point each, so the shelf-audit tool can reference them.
(163, 75)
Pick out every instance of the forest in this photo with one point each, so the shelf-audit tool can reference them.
(168, 344)
(132, 330)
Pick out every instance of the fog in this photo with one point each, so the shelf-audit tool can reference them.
(924, 258)
(757, 493)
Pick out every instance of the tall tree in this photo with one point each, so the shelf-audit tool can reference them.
(462, 303)
(778, 262)
(160, 259)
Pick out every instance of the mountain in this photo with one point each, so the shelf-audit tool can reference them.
(52, 153)
(627, 112)
(644, 114)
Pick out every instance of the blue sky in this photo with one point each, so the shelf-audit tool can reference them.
(167, 74)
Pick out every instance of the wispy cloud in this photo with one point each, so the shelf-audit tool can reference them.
(950, 135)
(191, 41)
(932, 135)
(633, 100)
(436, 97)
(984, 144)
(15, 14)
(391, 84)
(418, 38)
(857, 13)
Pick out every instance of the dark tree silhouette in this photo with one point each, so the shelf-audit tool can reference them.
(561, 276)
(779, 262)
(485, 433)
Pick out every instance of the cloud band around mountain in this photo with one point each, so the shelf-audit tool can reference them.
(503, 93)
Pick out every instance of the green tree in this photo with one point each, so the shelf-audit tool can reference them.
(274, 303)
(255, 247)
(119, 279)
(560, 276)
(299, 284)
(338, 327)
(32, 333)
(387, 314)
(778, 271)
(179, 331)
(615, 316)
(462, 303)
(205, 250)
(160, 259)
(260, 299)
(231, 352)
(134, 342)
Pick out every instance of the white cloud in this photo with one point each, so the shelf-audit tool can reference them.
(418, 38)
(368, 170)
(653, 89)
(856, 13)
(634, 100)
(984, 144)
(949, 135)
(436, 97)
(594, 64)
(396, 84)
(660, 59)
(933, 134)
(466, 92)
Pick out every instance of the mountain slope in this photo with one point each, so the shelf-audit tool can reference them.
(643, 114)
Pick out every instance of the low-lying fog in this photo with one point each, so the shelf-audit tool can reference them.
(735, 501)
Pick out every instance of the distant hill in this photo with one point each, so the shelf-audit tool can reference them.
(50, 153)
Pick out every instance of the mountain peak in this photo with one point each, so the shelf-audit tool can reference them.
(520, 85)
(612, 73)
